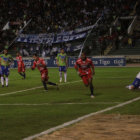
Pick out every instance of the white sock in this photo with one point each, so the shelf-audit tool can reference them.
(65, 76)
(60, 74)
(2, 80)
(6, 81)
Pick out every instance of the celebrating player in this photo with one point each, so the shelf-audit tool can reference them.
(85, 69)
(62, 63)
(136, 83)
(5, 62)
(41, 65)
(21, 66)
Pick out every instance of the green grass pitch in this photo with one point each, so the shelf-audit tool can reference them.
(29, 112)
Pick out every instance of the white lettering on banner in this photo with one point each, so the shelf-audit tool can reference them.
(83, 29)
(73, 62)
(51, 62)
(80, 36)
(49, 40)
(58, 39)
(71, 38)
(46, 62)
(104, 62)
(28, 63)
(54, 62)
(119, 62)
(65, 38)
(40, 40)
(95, 62)
(25, 40)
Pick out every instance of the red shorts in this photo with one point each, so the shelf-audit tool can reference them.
(44, 75)
(21, 69)
(86, 78)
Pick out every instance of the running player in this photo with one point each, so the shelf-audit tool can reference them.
(5, 62)
(85, 70)
(136, 83)
(41, 65)
(21, 66)
(62, 63)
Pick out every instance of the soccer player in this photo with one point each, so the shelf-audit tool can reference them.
(136, 83)
(62, 63)
(5, 62)
(85, 69)
(21, 66)
(42, 67)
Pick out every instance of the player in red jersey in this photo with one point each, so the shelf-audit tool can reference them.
(42, 67)
(21, 66)
(85, 69)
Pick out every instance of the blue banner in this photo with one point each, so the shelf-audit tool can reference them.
(78, 33)
(51, 62)
(46, 39)
(103, 61)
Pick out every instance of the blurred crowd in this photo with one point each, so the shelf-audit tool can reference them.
(51, 16)
(43, 50)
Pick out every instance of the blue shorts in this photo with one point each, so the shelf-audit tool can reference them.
(62, 68)
(4, 70)
(136, 83)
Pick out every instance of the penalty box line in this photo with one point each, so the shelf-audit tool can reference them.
(10, 93)
(79, 119)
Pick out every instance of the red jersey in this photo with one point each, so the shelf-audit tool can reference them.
(20, 61)
(40, 64)
(84, 67)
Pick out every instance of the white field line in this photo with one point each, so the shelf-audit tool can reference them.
(101, 77)
(5, 94)
(79, 119)
(49, 104)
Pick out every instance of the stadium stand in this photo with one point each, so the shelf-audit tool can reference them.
(49, 16)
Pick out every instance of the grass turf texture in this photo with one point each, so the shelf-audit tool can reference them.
(20, 121)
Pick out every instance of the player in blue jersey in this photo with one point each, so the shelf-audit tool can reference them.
(135, 84)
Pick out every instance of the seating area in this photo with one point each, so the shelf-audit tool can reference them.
(127, 50)
(49, 16)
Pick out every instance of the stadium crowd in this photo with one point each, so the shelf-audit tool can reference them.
(49, 16)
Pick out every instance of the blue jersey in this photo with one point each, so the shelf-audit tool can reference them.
(136, 83)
